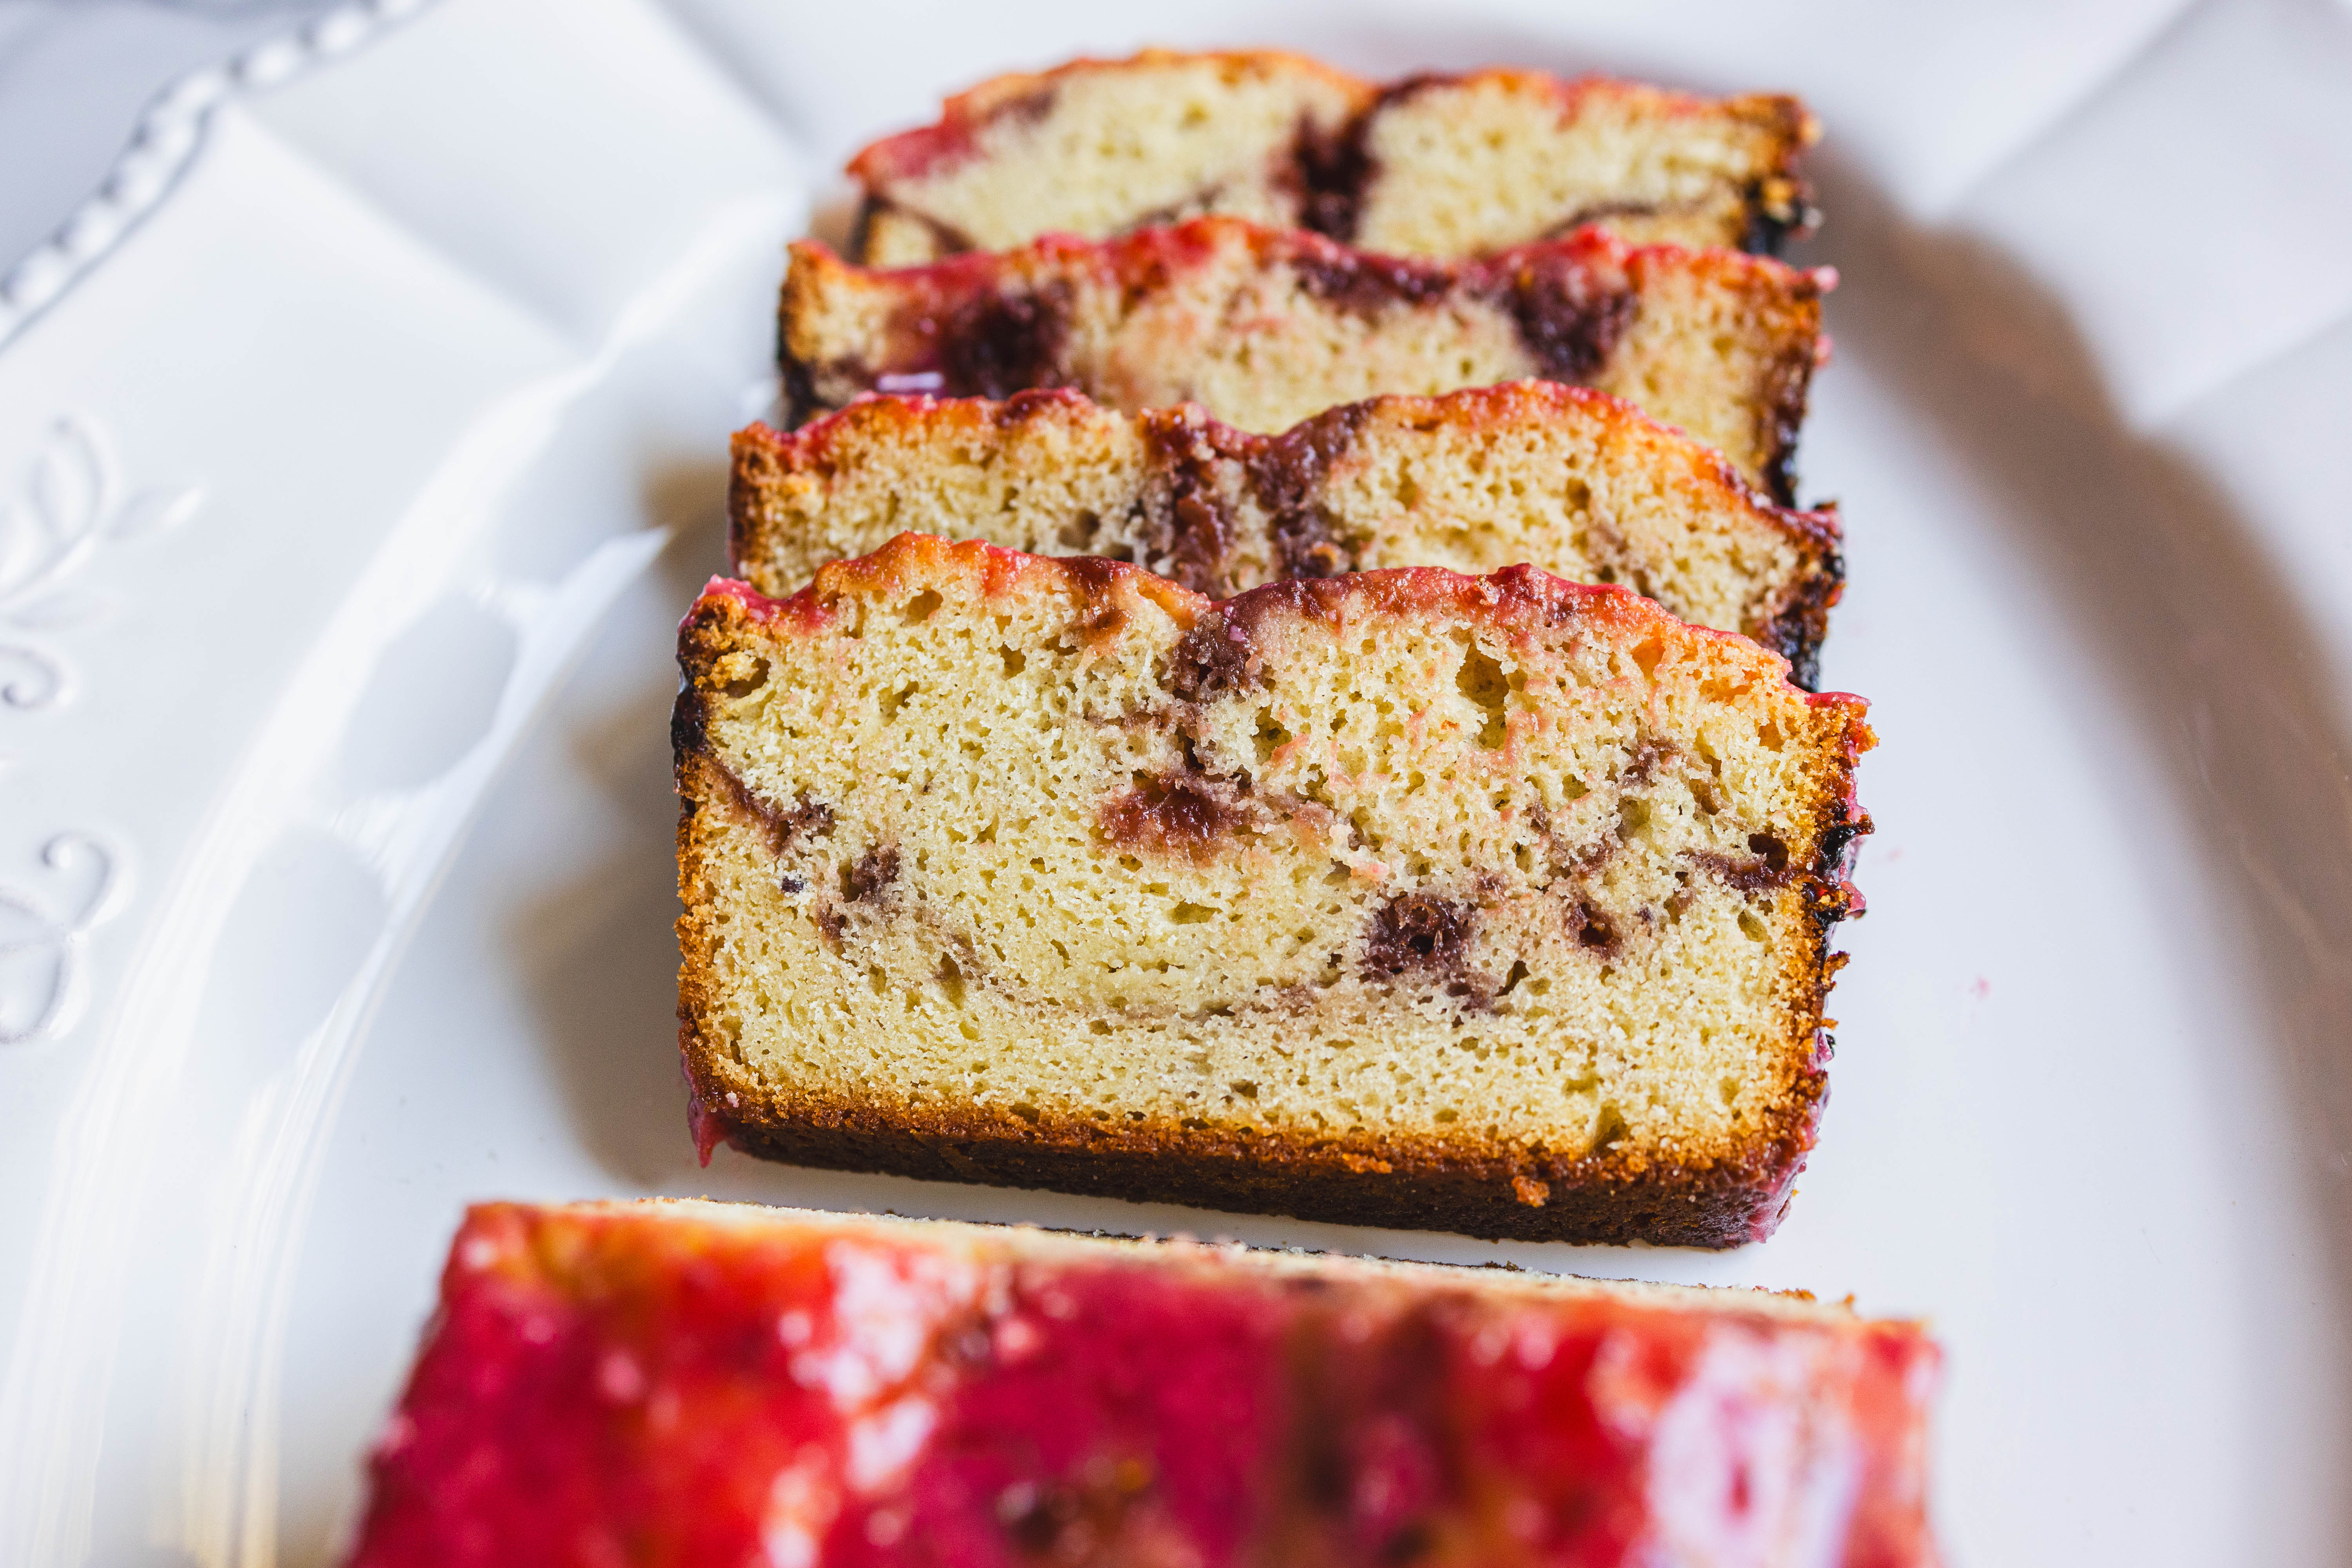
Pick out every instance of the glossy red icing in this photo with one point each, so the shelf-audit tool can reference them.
(661, 1384)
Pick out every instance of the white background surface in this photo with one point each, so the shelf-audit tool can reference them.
(383, 453)
(74, 76)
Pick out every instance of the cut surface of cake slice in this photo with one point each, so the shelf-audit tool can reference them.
(1433, 165)
(1491, 904)
(1266, 328)
(673, 1384)
(1571, 480)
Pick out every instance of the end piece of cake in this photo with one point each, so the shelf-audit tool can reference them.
(1490, 904)
(1266, 328)
(1571, 480)
(1433, 166)
(681, 1382)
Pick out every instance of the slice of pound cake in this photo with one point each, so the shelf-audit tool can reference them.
(1266, 328)
(692, 1383)
(1492, 904)
(1575, 481)
(1433, 166)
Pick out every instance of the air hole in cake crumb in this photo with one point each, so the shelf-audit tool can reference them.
(920, 608)
(1511, 982)
(1774, 852)
(1098, 1028)
(1028, 1113)
(1729, 1089)
(1481, 679)
(1752, 928)
(1015, 661)
(1271, 736)
(742, 674)
(951, 980)
(1189, 914)
(1647, 654)
(877, 980)
(894, 700)
(1080, 530)
(1608, 1128)
(1245, 1088)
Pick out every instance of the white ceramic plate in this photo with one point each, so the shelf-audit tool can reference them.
(359, 447)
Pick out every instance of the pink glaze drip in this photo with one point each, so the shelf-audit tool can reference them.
(614, 1387)
(704, 1123)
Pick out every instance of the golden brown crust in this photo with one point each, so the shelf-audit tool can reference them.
(1502, 1196)
(1462, 1179)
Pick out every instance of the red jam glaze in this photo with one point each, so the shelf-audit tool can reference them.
(708, 1128)
(1101, 582)
(626, 1386)
(1107, 1409)
(758, 606)
(911, 154)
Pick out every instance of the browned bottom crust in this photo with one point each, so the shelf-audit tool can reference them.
(1561, 1200)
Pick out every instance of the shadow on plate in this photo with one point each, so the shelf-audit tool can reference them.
(2200, 640)
(598, 953)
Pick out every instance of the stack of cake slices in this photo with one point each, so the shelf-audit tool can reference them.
(1284, 684)
(1270, 665)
